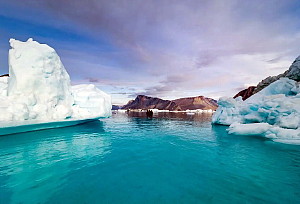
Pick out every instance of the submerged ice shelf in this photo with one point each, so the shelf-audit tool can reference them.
(38, 89)
(33, 125)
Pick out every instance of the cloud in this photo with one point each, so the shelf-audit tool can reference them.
(172, 48)
(93, 80)
(275, 60)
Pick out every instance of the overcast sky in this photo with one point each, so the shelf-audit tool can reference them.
(161, 48)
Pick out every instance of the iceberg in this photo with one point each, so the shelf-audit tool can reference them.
(273, 113)
(38, 91)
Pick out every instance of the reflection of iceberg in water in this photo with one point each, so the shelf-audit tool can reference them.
(46, 159)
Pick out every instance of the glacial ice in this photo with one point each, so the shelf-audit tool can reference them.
(89, 101)
(274, 113)
(39, 89)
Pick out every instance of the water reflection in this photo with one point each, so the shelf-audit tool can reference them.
(170, 119)
(173, 115)
(174, 126)
(36, 162)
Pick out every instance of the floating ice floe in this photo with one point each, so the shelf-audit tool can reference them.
(274, 113)
(38, 90)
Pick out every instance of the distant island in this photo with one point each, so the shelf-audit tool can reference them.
(181, 104)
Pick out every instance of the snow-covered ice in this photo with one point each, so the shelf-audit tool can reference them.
(89, 101)
(274, 112)
(39, 88)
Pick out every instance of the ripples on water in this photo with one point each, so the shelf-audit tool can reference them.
(171, 158)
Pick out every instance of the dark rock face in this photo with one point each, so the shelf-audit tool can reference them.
(246, 93)
(266, 82)
(146, 102)
(292, 73)
(192, 103)
(4, 75)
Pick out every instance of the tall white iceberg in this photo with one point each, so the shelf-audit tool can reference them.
(39, 81)
(39, 88)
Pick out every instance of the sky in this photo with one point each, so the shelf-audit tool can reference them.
(167, 48)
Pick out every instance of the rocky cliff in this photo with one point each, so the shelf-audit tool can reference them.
(292, 73)
(246, 93)
(198, 102)
(191, 103)
(146, 102)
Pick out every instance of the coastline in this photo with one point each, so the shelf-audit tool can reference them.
(163, 111)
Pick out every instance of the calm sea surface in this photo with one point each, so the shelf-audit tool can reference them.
(171, 158)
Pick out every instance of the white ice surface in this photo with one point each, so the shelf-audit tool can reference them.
(39, 89)
(273, 112)
(276, 133)
(89, 101)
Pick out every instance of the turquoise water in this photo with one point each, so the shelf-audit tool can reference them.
(172, 158)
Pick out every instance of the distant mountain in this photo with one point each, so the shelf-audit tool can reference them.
(198, 102)
(191, 103)
(146, 102)
(4, 75)
(292, 73)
